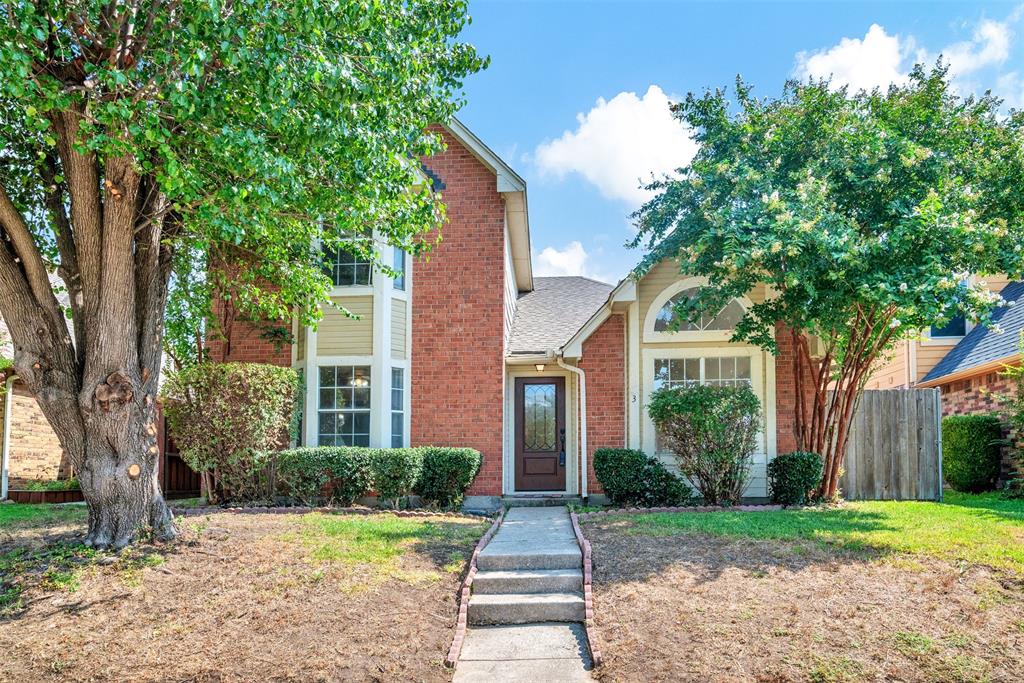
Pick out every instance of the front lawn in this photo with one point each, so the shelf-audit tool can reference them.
(978, 529)
(862, 592)
(238, 598)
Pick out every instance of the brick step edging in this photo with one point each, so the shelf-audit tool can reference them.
(588, 592)
(464, 591)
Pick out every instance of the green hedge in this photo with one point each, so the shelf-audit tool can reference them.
(440, 476)
(971, 451)
(633, 478)
(791, 476)
(447, 474)
(305, 473)
(395, 473)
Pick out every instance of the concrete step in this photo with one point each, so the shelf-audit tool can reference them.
(500, 556)
(527, 501)
(529, 581)
(525, 608)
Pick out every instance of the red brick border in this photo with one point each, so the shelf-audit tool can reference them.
(467, 584)
(300, 510)
(588, 593)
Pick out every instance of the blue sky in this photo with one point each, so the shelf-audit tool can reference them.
(576, 95)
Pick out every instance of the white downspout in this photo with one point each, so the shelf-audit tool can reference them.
(8, 400)
(583, 422)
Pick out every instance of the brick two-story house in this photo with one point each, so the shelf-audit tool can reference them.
(469, 348)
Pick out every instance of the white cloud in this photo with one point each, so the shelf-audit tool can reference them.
(880, 59)
(861, 64)
(1011, 88)
(618, 145)
(573, 259)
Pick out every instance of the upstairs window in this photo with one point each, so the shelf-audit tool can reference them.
(347, 268)
(399, 267)
(726, 319)
(956, 327)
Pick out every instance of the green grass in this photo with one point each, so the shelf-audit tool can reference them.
(379, 539)
(981, 528)
(22, 515)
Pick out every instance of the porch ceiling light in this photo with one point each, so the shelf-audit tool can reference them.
(540, 367)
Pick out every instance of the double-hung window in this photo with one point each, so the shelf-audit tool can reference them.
(397, 407)
(348, 267)
(344, 410)
(398, 265)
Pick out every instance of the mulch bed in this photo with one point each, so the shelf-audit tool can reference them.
(698, 608)
(239, 598)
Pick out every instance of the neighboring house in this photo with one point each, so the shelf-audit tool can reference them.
(469, 348)
(29, 449)
(965, 362)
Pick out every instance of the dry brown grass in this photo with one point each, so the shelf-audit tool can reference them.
(693, 607)
(250, 598)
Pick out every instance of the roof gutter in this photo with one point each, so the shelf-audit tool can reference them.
(6, 434)
(583, 421)
(991, 366)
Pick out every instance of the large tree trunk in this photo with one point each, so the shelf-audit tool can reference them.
(98, 392)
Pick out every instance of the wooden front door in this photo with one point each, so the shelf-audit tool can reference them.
(540, 433)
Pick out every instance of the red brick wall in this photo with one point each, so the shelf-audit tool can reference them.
(246, 345)
(458, 298)
(785, 391)
(604, 361)
(981, 395)
(35, 452)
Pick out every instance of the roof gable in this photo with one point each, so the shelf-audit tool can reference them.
(983, 345)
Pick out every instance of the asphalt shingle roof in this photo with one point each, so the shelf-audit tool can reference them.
(554, 311)
(983, 345)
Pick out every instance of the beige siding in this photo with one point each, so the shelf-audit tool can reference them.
(928, 356)
(398, 328)
(891, 372)
(662, 276)
(340, 335)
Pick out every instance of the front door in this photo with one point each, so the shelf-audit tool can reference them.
(540, 434)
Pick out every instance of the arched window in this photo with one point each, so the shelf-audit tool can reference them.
(726, 319)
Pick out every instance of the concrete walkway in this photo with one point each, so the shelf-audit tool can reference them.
(526, 604)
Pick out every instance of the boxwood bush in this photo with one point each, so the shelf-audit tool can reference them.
(395, 472)
(633, 478)
(306, 474)
(447, 474)
(791, 476)
(971, 451)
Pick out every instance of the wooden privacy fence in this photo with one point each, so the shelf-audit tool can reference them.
(895, 448)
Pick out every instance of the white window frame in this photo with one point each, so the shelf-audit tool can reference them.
(763, 385)
(343, 361)
(653, 336)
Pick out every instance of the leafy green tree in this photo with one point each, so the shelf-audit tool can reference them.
(133, 132)
(864, 213)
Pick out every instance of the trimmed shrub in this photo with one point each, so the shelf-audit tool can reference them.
(792, 476)
(633, 478)
(226, 418)
(447, 474)
(395, 472)
(303, 474)
(971, 451)
(712, 431)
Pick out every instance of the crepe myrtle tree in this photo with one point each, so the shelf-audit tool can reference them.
(133, 132)
(865, 214)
